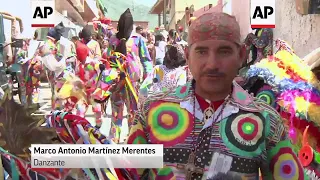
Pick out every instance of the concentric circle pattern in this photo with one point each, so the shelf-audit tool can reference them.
(268, 96)
(138, 137)
(244, 133)
(169, 124)
(285, 165)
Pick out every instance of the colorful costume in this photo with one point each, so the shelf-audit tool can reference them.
(67, 50)
(163, 79)
(71, 96)
(52, 50)
(139, 65)
(116, 82)
(92, 74)
(102, 79)
(167, 76)
(230, 138)
(246, 136)
(55, 63)
(130, 54)
(94, 47)
(261, 43)
(28, 76)
(295, 90)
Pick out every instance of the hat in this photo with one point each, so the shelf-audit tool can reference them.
(214, 26)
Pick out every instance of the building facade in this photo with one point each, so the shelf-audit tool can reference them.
(300, 31)
(74, 14)
(192, 12)
(241, 10)
(173, 10)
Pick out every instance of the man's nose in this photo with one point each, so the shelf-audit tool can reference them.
(212, 61)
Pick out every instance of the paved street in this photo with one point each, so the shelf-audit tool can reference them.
(45, 108)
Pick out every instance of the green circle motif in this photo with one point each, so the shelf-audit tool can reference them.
(268, 96)
(265, 98)
(224, 128)
(241, 96)
(247, 128)
(169, 132)
(179, 88)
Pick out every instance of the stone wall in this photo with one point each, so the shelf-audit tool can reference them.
(301, 32)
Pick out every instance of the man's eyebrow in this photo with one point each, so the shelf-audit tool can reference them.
(225, 47)
(201, 48)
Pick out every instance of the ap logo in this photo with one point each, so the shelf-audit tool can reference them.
(263, 14)
(43, 13)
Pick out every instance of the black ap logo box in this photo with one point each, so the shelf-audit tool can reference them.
(262, 14)
(43, 13)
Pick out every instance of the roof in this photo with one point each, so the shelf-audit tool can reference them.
(157, 8)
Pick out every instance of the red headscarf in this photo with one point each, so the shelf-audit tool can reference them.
(214, 26)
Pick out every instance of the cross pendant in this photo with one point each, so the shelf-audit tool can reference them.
(190, 167)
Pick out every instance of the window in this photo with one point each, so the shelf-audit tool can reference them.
(314, 7)
(308, 7)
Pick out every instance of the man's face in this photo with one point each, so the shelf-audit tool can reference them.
(105, 43)
(150, 38)
(214, 64)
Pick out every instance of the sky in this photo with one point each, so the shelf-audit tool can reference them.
(23, 10)
(147, 2)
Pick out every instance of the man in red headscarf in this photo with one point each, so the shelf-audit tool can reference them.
(210, 127)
